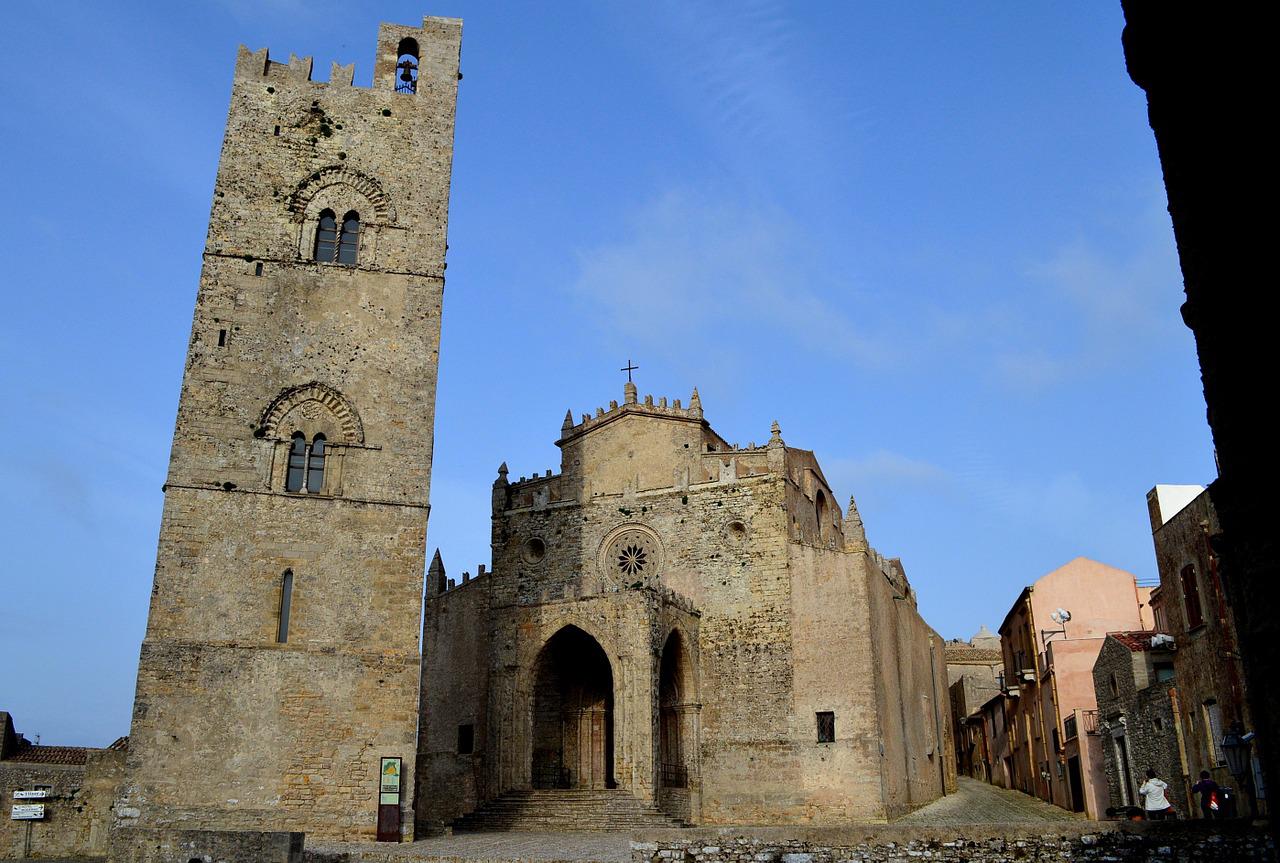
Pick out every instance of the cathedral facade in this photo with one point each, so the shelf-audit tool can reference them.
(682, 621)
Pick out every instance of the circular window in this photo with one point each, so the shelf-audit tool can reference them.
(533, 550)
(631, 554)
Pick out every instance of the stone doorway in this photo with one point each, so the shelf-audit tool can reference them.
(572, 713)
(677, 730)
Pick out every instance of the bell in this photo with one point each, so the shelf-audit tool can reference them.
(407, 67)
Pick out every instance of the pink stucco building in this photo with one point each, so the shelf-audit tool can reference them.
(1050, 745)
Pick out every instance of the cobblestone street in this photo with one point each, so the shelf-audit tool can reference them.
(979, 803)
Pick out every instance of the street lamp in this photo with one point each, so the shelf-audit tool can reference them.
(1235, 746)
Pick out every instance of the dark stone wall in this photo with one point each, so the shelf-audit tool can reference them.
(148, 845)
(1113, 843)
(1202, 70)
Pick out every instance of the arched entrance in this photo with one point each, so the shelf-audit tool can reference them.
(572, 713)
(674, 700)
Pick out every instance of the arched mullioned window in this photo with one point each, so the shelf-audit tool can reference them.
(407, 66)
(286, 605)
(326, 237)
(315, 465)
(306, 464)
(297, 463)
(338, 244)
(349, 239)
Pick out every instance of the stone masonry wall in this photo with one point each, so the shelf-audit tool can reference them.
(286, 734)
(455, 686)
(144, 845)
(1149, 729)
(77, 812)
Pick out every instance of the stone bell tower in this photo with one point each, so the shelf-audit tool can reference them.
(280, 663)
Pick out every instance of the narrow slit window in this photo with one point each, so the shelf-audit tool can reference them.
(466, 739)
(826, 726)
(286, 604)
(326, 237)
(297, 463)
(315, 465)
(349, 240)
(257, 269)
(222, 338)
(1191, 597)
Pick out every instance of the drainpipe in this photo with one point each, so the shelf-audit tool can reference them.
(1182, 750)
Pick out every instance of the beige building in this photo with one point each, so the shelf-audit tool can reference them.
(1047, 725)
(280, 663)
(677, 628)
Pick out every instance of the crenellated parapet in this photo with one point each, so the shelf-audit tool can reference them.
(632, 405)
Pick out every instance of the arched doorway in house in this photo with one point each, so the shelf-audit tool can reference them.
(572, 713)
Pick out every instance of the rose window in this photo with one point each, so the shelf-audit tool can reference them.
(631, 554)
(631, 559)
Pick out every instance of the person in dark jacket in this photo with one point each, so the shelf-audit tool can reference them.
(1208, 791)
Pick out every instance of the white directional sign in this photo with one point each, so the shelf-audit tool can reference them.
(27, 811)
(41, 794)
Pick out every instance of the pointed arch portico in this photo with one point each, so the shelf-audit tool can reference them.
(572, 733)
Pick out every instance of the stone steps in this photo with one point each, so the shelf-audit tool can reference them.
(564, 810)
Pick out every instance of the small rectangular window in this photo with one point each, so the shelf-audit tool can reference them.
(826, 726)
(257, 268)
(277, 131)
(466, 738)
(222, 338)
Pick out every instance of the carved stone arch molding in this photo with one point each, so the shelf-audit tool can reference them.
(383, 211)
(309, 404)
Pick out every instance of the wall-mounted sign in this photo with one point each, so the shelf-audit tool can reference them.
(27, 811)
(39, 794)
(389, 781)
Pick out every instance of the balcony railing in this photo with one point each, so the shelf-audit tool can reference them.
(1090, 719)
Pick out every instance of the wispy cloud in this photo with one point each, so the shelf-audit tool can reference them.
(739, 277)
(1093, 303)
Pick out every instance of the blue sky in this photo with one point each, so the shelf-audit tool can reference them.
(929, 239)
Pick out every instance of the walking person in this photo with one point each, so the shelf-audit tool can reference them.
(1154, 803)
(1208, 791)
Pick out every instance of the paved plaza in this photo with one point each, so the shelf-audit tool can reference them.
(974, 803)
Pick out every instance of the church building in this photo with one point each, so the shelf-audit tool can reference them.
(676, 629)
(688, 630)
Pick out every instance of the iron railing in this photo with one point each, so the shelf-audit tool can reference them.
(675, 776)
(1069, 731)
(547, 773)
